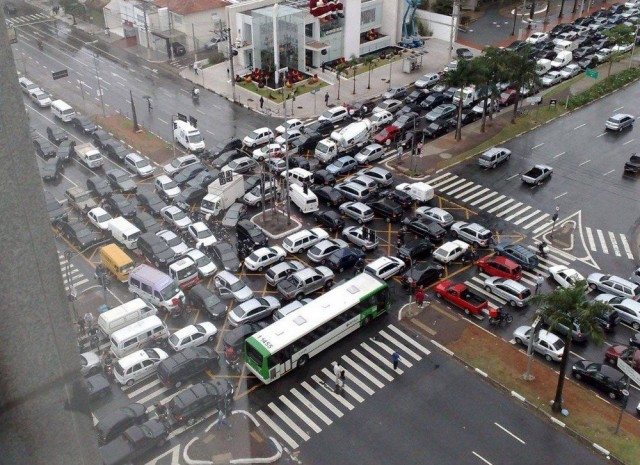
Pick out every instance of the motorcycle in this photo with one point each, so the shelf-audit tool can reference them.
(195, 95)
(501, 319)
(40, 45)
(232, 359)
(543, 248)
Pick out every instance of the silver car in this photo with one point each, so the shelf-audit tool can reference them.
(357, 236)
(282, 270)
(230, 286)
(546, 344)
(440, 216)
(512, 291)
(323, 249)
(614, 285)
(358, 211)
(253, 310)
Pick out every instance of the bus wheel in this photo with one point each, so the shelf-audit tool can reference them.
(367, 320)
(303, 360)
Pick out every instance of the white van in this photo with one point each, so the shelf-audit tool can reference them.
(62, 110)
(188, 136)
(138, 365)
(119, 317)
(565, 46)
(157, 288)
(124, 232)
(299, 176)
(306, 202)
(561, 60)
(133, 337)
(543, 66)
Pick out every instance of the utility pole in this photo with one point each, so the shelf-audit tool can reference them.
(554, 218)
(233, 74)
(455, 14)
(95, 62)
(195, 48)
(534, 329)
(286, 156)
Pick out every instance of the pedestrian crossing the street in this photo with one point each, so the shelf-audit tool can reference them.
(71, 276)
(28, 19)
(524, 216)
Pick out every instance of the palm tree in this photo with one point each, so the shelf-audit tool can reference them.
(459, 77)
(369, 61)
(482, 79)
(495, 60)
(569, 307)
(340, 69)
(619, 35)
(522, 72)
(353, 64)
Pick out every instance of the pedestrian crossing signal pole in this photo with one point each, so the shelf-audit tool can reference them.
(555, 218)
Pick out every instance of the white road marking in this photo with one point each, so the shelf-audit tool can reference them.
(491, 202)
(512, 207)
(602, 241)
(559, 155)
(592, 243)
(276, 428)
(289, 421)
(561, 195)
(581, 126)
(481, 457)
(404, 348)
(584, 162)
(509, 433)
(536, 221)
(459, 188)
(362, 371)
(445, 181)
(209, 132)
(410, 340)
(619, 108)
(322, 400)
(162, 121)
(601, 134)
(485, 197)
(518, 213)
(628, 142)
(300, 414)
(614, 244)
(477, 194)
(454, 184)
(463, 193)
(372, 365)
(608, 172)
(536, 146)
(311, 407)
(625, 246)
(337, 397)
(431, 181)
(514, 176)
(386, 362)
(501, 205)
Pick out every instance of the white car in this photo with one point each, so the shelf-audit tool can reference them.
(99, 218)
(570, 71)
(603, 54)
(258, 137)
(565, 276)
(449, 251)
(479, 108)
(173, 241)
(230, 286)
(320, 251)
(380, 119)
(288, 125)
(440, 216)
(551, 78)
(537, 37)
(546, 344)
(41, 98)
(166, 187)
(385, 267)
(621, 48)
(205, 265)
(268, 151)
(288, 138)
(193, 335)
(202, 235)
(264, 256)
(176, 217)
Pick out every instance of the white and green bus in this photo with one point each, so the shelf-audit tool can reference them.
(292, 340)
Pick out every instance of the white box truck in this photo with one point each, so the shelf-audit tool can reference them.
(470, 95)
(221, 195)
(89, 155)
(421, 192)
(188, 136)
(344, 141)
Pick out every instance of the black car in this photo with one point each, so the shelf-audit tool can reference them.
(247, 231)
(51, 169)
(361, 109)
(56, 134)
(468, 116)
(409, 108)
(121, 180)
(422, 274)
(119, 420)
(97, 386)
(415, 250)
(601, 376)
(116, 150)
(432, 101)
(225, 254)
(330, 219)
(406, 121)
(83, 124)
(323, 127)
(546, 55)
(199, 398)
(44, 148)
(401, 198)
(187, 174)
(150, 201)
(189, 196)
(388, 209)
(178, 49)
(449, 93)
(99, 186)
(329, 195)
(101, 138)
(251, 181)
(299, 162)
(65, 150)
(79, 233)
(236, 337)
(204, 178)
(136, 441)
(146, 223)
(226, 145)
(590, 61)
(118, 205)
(307, 142)
(425, 227)
(559, 29)
(178, 368)
(416, 96)
(633, 165)
(201, 297)
(464, 53)
(608, 320)
(226, 157)
(155, 250)
(343, 259)
(54, 208)
(437, 128)
(410, 138)
(324, 178)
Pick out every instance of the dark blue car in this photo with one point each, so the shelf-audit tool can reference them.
(343, 259)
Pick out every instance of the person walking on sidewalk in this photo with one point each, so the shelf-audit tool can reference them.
(195, 69)
(261, 102)
(395, 358)
(88, 321)
(326, 99)
(420, 297)
(539, 282)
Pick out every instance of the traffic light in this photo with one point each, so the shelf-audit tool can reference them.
(305, 188)
(229, 175)
(372, 235)
(222, 178)
(193, 122)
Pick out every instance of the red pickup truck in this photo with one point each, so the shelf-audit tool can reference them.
(461, 296)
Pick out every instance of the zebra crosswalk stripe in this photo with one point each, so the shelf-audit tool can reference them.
(340, 399)
(404, 361)
(614, 244)
(443, 182)
(457, 189)
(362, 371)
(518, 213)
(322, 400)
(482, 199)
(421, 348)
(290, 423)
(432, 182)
(277, 429)
(491, 202)
(512, 207)
(311, 407)
(468, 191)
(590, 240)
(473, 196)
(500, 206)
(536, 221)
(625, 246)
(404, 348)
(303, 416)
(372, 365)
(603, 243)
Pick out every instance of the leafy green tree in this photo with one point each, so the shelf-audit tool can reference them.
(567, 307)
(459, 77)
(496, 68)
(353, 65)
(619, 35)
(340, 70)
(369, 61)
(444, 7)
(73, 8)
(522, 72)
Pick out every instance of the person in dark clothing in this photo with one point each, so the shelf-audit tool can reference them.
(261, 102)
(359, 266)
(326, 99)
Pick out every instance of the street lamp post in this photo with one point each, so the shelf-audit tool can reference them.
(95, 63)
(173, 136)
(555, 218)
(286, 157)
(101, 275)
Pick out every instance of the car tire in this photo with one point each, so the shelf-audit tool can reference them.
(512, 303)
(328, 284)
(476, 245)
(302, 361)
(635, 325)
(130, 382)
(211, 338)
(612, 395)
(367, 320)
(488, 289)
(260, 268)
(548, 358)
(388, 220)
(364, 249)
(467, 312)
(610, 361)
(577, 376)
(299, 296)
(519, 341)
(593, 287)
(360, 221)
(177, 384)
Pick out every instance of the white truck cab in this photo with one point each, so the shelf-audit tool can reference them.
(188, 136)
(222, 192)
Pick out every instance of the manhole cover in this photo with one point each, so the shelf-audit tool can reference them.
(446, 156)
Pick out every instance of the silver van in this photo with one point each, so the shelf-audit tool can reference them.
(493, 157)
(122, 316)
(307, 202)
(138, 365)
(353, 191)
(157, 288)
(512, 291)
(133, 337)
(299, 176)
(124, 232)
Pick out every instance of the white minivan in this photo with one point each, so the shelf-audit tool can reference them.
(124, 232)
(122, 316)
(138, 365)
(133, 337)
(307, 201)
(62, 110)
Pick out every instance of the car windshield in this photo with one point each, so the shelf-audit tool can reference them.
(233, 214)
(102, 218)
(179, 215)
(169, 292)
(237, 286)
(203, 260)
(327, 114)
(170, 185)
(176, 163)
(173, 241)
(204, 233)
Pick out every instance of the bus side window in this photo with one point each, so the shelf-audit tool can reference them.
(383, 298)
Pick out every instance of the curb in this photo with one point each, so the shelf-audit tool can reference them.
(276, 236)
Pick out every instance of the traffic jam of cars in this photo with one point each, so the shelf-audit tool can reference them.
(198, 275)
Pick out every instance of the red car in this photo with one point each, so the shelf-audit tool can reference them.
(630, 354)
(500, 266)
(387, 135)
(460, 296)
(507, 97)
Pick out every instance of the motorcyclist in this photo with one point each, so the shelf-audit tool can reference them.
(542, 248)
(40, 44)
(195, 93)
(359, 268)
(501, 314)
